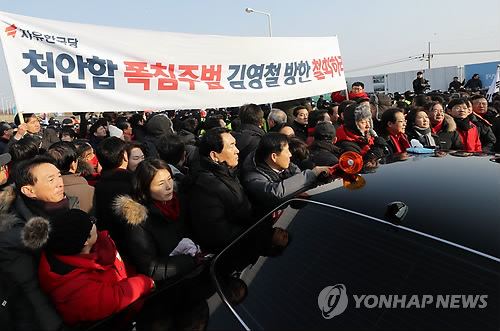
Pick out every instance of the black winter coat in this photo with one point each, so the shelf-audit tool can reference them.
(247, 139)
(486, 135)
(449, 138)
(139, 132)
(218, 207)
(94, 141)
(300, 130)
(28, 306)
(111, 184)
(188, 137)
(149, 238)
(3, 145)
(150, 142)
(325, 153)
(417, 85)
(391, 146)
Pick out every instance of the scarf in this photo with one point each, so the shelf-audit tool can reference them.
(365, 144)
(169, 208)
(400, 142)
(425, 136)
(463, 124)
(46, 209)
(437, 127)
(353, 96)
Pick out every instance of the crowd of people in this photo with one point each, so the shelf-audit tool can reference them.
(99, 210)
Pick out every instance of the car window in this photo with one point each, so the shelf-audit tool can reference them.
(388, 274)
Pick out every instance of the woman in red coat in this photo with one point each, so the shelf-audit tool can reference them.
(81, 269)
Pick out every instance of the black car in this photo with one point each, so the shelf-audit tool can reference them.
(412, 242)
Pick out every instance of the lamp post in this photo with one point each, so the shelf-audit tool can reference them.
(250, 10)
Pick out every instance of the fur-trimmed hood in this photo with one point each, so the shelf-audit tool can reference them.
(7, 198)
(35, 233)
(130, 210)
(451, 125)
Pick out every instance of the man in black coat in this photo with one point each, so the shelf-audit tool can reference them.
(39, 192)
(250, 131)
(157, 126)
(323, 150)
(270, 178)
(219, 210)
(420, 84)
(455, 85)
(474, 83)
(115, 180)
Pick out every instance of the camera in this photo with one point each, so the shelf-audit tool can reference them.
(427, 85)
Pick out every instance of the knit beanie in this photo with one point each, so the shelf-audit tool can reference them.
(159, 125)
(324, 131)
(64, 234)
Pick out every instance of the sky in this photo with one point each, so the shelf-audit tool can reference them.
(369, 32)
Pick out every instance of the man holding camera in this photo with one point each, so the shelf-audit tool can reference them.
(420, 84)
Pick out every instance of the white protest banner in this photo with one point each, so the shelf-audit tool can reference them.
(495, 86)
(58, 66)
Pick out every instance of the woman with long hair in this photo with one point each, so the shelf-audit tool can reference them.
(154, 238)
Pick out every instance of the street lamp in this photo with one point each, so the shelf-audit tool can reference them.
(250, 10)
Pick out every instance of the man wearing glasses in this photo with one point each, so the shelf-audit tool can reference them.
(357, 91)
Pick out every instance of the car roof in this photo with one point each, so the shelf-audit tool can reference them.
(455, 198)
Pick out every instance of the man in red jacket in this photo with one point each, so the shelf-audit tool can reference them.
(357, 91)
(81, 269)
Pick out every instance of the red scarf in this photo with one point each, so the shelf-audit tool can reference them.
(337, 97)
(344, 134)
(438, 126)
(169, 208)
(353, 96)
(94, 161)
(400, 142)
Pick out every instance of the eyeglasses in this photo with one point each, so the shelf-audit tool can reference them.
(436, 111)
(93, 220)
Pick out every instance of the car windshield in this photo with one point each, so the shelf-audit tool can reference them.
(380, 268)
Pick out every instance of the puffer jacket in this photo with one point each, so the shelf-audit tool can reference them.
(149, 237)
(486, 135)
(247, 139)
(218, 207)
(449, 139)
(325, 153)
(84, 288)
(29, 306)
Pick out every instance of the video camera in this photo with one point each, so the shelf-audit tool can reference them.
(427, 85)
